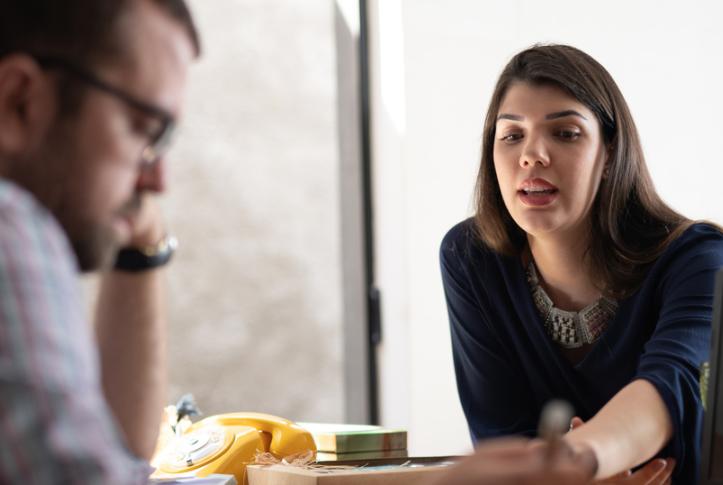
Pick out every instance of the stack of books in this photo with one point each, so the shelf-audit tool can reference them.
(344, 442)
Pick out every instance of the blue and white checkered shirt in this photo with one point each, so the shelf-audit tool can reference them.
(55, 424)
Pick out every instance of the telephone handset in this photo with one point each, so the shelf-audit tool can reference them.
(226, 443)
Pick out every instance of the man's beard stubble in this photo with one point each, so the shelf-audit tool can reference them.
(95, 248)
(55, 179)
(94, 243)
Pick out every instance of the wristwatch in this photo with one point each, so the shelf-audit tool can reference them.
(148, 257)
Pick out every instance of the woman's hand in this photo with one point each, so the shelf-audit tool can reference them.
(655, 472)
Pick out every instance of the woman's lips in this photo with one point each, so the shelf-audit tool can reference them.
(538, 198)
(537, 192)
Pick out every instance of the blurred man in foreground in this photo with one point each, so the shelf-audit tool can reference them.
(90, 91)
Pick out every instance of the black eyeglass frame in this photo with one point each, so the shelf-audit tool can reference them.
(159, 142)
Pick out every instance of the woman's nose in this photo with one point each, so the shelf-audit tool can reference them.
(534, 152)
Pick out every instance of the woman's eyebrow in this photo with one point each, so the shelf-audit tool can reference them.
(562, 114)
(507, 116)
(551, 116)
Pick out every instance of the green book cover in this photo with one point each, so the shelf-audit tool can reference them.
(322, 456)
(355, 438)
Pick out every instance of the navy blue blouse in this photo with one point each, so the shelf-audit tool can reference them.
(507, 367)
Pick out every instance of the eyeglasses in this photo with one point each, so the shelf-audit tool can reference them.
(159, 140)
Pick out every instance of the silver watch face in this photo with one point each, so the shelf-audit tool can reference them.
(140, 259)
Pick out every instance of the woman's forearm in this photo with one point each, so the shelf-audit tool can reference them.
(629, 430)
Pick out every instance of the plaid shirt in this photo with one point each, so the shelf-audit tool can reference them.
(55, 424)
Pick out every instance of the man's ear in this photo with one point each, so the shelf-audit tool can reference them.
(27, 103)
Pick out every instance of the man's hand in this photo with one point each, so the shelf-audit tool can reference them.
(146, 222)
(513, 461)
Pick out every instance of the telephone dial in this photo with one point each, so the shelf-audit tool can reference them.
(226, 443)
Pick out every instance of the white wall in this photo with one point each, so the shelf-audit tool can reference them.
(434, 65)
(255, 288)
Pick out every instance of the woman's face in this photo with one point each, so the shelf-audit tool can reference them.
(549, 157)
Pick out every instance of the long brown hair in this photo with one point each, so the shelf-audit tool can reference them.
(630, 224)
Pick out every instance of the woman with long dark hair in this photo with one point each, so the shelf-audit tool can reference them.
(574, 280)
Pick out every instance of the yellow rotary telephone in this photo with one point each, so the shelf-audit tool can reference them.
(226, 443)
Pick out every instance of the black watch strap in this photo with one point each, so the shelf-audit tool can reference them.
(140, 259)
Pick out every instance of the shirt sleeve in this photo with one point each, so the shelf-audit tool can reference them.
(55, 423)
(680, 343)
(488, 381)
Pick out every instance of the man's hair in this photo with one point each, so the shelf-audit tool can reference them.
(82, 31)
(630, 225)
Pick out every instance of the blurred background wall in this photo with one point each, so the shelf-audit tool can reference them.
(254, 288)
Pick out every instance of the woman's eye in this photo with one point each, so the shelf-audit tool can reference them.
(568, 135)
(511, 138)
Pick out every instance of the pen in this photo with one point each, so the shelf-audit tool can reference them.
(554, 423)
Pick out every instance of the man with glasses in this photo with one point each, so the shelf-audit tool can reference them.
(89, 94)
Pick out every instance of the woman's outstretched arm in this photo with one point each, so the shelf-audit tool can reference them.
(629, 430)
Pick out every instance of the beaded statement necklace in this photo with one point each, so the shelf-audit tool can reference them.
(570, 329)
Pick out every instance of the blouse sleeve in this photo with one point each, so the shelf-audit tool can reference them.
(679, 344)
(488, 380)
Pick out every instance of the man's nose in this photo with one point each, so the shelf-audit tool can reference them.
(152, 177)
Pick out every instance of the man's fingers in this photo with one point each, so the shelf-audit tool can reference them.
(146, 222)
